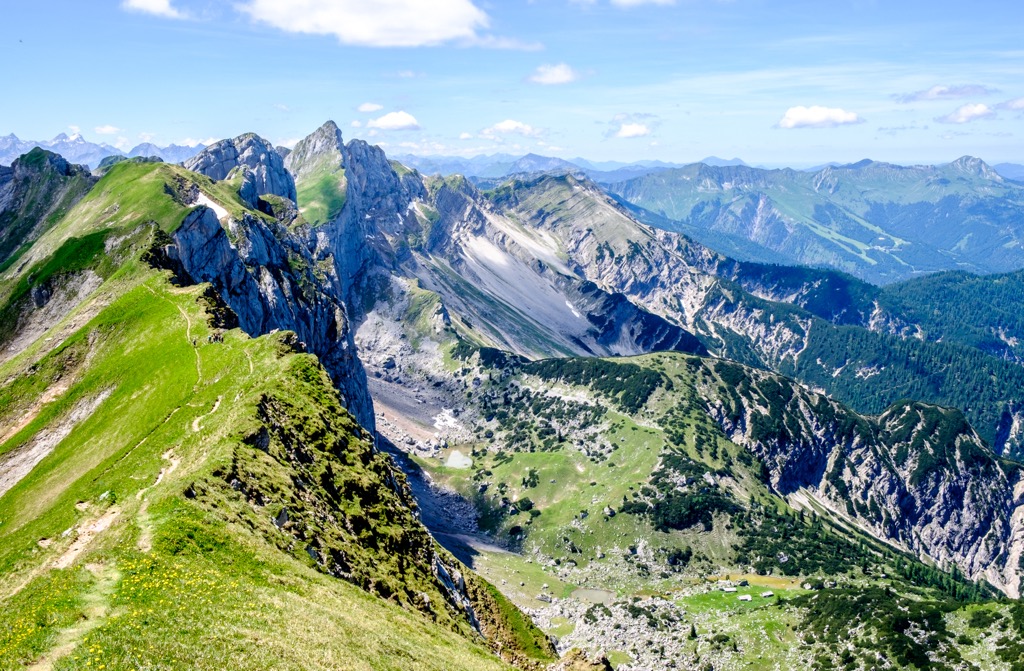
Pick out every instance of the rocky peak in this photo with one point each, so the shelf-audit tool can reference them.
(975, 166)
(324, 145)
(263, 166)
(40, 161)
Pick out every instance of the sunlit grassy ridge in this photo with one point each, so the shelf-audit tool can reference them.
(152, 535)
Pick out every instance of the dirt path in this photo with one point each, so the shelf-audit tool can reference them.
(86, 533)
(95, 609)
(188, 336)
(197, 423)
(145, 543)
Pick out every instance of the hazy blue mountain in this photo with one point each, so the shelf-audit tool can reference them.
(721, 162)
(173, 153)
(74, 148)
(878, 221)
(488, 170)
(1010, 170)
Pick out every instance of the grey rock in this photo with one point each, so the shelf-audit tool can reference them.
(264, 168)
(266, 277)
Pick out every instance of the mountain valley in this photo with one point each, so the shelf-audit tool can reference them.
(368, 418)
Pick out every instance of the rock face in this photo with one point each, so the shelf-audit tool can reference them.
(324, 146)
(267, 278)
(918, 475)
(38, 184)
(263, 168)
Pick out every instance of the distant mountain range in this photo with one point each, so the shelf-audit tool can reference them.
(481, 169)
(76, 149)
(1013, 171)
(878, 221)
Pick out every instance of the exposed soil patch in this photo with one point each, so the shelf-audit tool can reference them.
(35, 322)
(19, 462)
(86, 533)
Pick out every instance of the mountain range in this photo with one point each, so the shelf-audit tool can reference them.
(361, 413)
(77, 149)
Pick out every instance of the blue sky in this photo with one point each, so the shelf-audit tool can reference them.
(772, 82)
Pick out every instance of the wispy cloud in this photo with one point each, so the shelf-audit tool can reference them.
(559, 73)
(497, 42)
(968, 113)
(107, 130)
(1015, 105)
(637, 3)
(625, 3)
(395, 121)
(370, 107)
(817, 116)
(162, 8)
(947, 93)
(896, 130)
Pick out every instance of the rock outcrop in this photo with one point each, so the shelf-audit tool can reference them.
(37, 186)
(918, 475)
(262, 167)
(268, 278)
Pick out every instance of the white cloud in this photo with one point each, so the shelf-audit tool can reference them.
(147, 137)
(559, 73)
(122, 144)
(406, 74)
(465, 136)
(395, 23)
(156, 7)
(370, 107)
(357, 124)
(395, 121)
(967, 113)
(629, 130)
(508, 127)
(75, 130)
(817, 116)
(946, 93)
(494, 42)
(637, 3)
(107, 130)
(1017, 105)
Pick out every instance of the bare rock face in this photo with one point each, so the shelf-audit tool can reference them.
(377, 205)
(265, 274)
(37, 185)
(917, 475)
(263, 166)
(324, 145)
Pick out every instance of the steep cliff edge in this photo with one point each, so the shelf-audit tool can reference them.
(179, 455)
(37, 190)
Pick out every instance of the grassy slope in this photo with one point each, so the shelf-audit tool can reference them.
(169, 580)
(322, 191)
